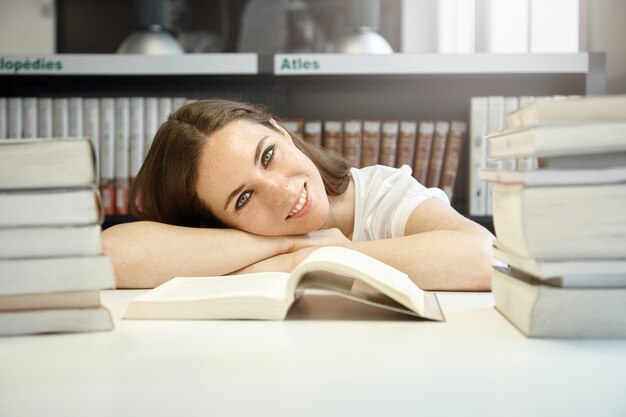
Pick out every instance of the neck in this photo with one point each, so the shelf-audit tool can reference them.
(341, 211)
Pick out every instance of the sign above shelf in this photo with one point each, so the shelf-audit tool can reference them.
(113, 64)
(394, 64)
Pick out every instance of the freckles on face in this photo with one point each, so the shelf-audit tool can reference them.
(255, 179)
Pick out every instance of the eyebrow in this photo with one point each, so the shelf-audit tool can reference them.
(257, 155)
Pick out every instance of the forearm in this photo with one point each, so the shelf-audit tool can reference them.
(146, 254)
(437, 260)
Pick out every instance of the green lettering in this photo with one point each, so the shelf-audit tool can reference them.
(285, 64)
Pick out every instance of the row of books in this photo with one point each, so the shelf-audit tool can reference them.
(561, 226)
(431, 148)
(489, 115)
(122, 130)
(52, 267)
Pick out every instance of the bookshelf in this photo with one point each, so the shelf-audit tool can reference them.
(315, 86)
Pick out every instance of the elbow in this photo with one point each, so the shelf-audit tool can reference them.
(114, 247)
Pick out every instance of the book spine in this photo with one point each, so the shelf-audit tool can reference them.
(76, 117)
(495, 123)
(477, 156)
(333, 137)
(165, 109)
(44, 117)
(137, 135)
(313, 132)
(352, 141)
(122, 152)
(526, 163)
(14, 118)
(435, 165)
(389, 143)
(456, 137)
(60, 117)
(107, 154)
(422, 153)
(510, 105)
(151, 120)
(3, 118)
(370, 150)
(91, 124)
(294, 125)
(29, 113)
(406, 143)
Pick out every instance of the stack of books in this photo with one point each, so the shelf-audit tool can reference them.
(51, 261)
(560, 223)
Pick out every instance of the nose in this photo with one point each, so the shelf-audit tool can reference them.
(280, 191)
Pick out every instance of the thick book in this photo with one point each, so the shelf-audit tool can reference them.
(122, 154)
(74, 299)
(435, 164)
(542, 177)
(50, 207)
(559, 140)
(477, 156)
(406, 143)
(370, 151)
(422, 153)
(333, 136)
(571, 110)
(352, 141)
(607, 273)
(270, 295)
(61, 320)
(456, 138)
(54, 275)
(313, 132)
(540, 310)
(107, 154)
(45, 241)
(36, 163)
(389, 143)
(561, 221)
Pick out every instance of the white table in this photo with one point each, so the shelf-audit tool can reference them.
(474, 364)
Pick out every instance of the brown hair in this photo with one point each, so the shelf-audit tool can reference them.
(165, 188)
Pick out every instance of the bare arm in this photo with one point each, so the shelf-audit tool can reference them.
(442, 250)
(146, 254)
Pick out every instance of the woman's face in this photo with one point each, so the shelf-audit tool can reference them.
(255, 179)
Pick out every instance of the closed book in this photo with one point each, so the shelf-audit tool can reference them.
(370, 151)
(559, 140)
(45, 120)
(575, 273)
(561, 221)
(542, 177)
(107, 154)
(76, 299)
(435, 164)
(598, 108)
(313, 132)
(333, 137)
(30, 120)
(456, 138)
(270, 295)
(406, 143)
(540, 310)
(76, 118)
(55, 275)
(68, 320)
(352, 141)
(3, 118)
(137, 136)
(422, 153)
(50, 207)
(60, 117)
(15, 128)
(389, 143)
(122, 154)
(151, 120)
(40, 241)
(477, 156)
(91, 124)
(37, 163)
(495, 123)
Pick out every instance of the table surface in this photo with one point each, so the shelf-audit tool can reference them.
(329, 359)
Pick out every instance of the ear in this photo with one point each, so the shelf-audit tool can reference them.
(281, 130)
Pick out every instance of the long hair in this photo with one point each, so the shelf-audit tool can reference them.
(165, 187)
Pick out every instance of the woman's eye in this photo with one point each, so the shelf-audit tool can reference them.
(243, 199)
(267, 156)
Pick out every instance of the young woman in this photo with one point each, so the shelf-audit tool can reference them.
(226, 189)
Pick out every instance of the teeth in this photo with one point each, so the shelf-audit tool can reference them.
(300, 204)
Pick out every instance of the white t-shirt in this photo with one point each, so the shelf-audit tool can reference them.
(384, 198)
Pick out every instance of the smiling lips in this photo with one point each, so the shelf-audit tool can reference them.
(300, 204)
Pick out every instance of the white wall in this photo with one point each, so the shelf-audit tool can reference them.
(606, 32)
(27, 26)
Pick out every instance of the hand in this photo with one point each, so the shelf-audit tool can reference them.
(324, 237)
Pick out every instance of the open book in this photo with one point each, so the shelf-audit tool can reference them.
(270, 295)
